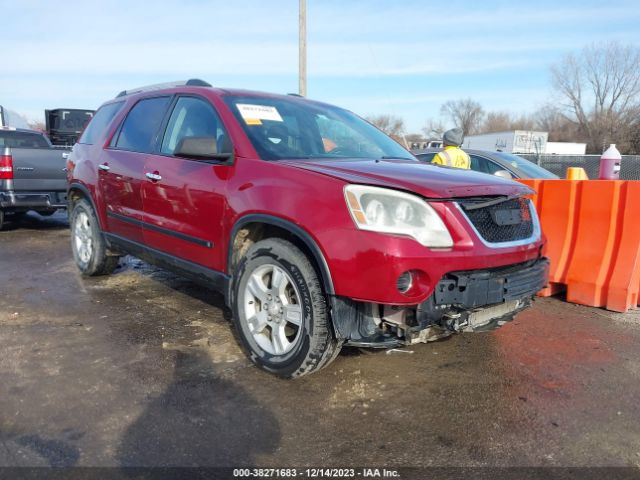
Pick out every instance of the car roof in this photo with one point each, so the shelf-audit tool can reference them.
(197, 85)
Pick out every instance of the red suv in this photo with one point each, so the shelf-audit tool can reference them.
(320, 230)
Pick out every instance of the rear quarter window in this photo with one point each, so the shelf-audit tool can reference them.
(100, 122)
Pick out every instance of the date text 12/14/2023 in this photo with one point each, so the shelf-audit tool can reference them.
(315, 473)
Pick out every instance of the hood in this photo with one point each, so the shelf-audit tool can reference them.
(427, 180)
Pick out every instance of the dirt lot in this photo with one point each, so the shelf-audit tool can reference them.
(142, 368)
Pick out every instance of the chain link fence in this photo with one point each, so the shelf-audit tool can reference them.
(558, 164)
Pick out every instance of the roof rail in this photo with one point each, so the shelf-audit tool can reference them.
(192, 82)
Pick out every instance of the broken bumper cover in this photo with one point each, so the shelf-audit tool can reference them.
(483, 299)
(469, 301)
(488, 287)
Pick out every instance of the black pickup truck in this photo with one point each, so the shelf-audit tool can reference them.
(64, 125)
(32, 174)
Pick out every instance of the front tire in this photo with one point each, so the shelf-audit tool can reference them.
(280, 310)
(87, 242)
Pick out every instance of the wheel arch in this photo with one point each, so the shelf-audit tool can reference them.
(254, 227)
(77, 190)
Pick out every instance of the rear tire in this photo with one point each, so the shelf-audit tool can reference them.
(280, 311)
(1, 219)
(87, 242)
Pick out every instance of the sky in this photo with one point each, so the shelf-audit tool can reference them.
(404, 58)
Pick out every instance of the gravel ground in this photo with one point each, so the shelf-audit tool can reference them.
(142, 368)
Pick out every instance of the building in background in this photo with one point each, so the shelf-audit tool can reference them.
(515, 141)
(529, 142)
(566, 148)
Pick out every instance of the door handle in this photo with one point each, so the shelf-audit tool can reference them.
(153, 176)
(104, 167)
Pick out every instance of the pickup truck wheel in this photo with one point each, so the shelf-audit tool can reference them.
(280, 310)
(87, 242)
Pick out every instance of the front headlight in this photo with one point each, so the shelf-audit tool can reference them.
(390, 211)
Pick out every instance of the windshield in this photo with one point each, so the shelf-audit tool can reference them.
(296, 128)
(531, 169)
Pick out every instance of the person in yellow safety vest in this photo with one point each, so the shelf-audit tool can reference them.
(453, 155)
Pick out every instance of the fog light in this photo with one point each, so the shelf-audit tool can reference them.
(404, 282)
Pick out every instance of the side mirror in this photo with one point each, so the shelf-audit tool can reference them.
(200, 148)
(503, 174)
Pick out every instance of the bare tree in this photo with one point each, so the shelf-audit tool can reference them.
(414, 137)
(434, 129)
(466, 114)
(389, 124)
(496, 122)
(600, 88)
(505, 121)
(37, 125)
(522, 122)
(634, 139)
(549, 118)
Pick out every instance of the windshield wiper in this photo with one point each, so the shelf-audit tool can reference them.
(386, 157)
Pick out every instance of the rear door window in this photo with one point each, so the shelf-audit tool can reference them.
(140, 129)
(100, 122)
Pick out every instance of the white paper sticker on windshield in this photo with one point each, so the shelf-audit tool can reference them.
(251, 113)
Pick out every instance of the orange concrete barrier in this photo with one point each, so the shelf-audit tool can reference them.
(593, 240)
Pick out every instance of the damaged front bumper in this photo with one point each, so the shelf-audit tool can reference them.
(469, 301)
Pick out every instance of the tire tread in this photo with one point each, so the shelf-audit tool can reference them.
(323, 347)
(100, 263)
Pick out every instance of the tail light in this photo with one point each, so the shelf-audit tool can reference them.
(6, 165)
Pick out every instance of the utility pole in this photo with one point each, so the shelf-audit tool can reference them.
(302, 49)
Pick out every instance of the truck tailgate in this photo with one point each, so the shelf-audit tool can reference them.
(41, 170)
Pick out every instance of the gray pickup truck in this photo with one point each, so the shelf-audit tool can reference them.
(32, 174)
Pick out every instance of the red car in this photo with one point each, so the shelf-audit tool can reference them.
(320, 230)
